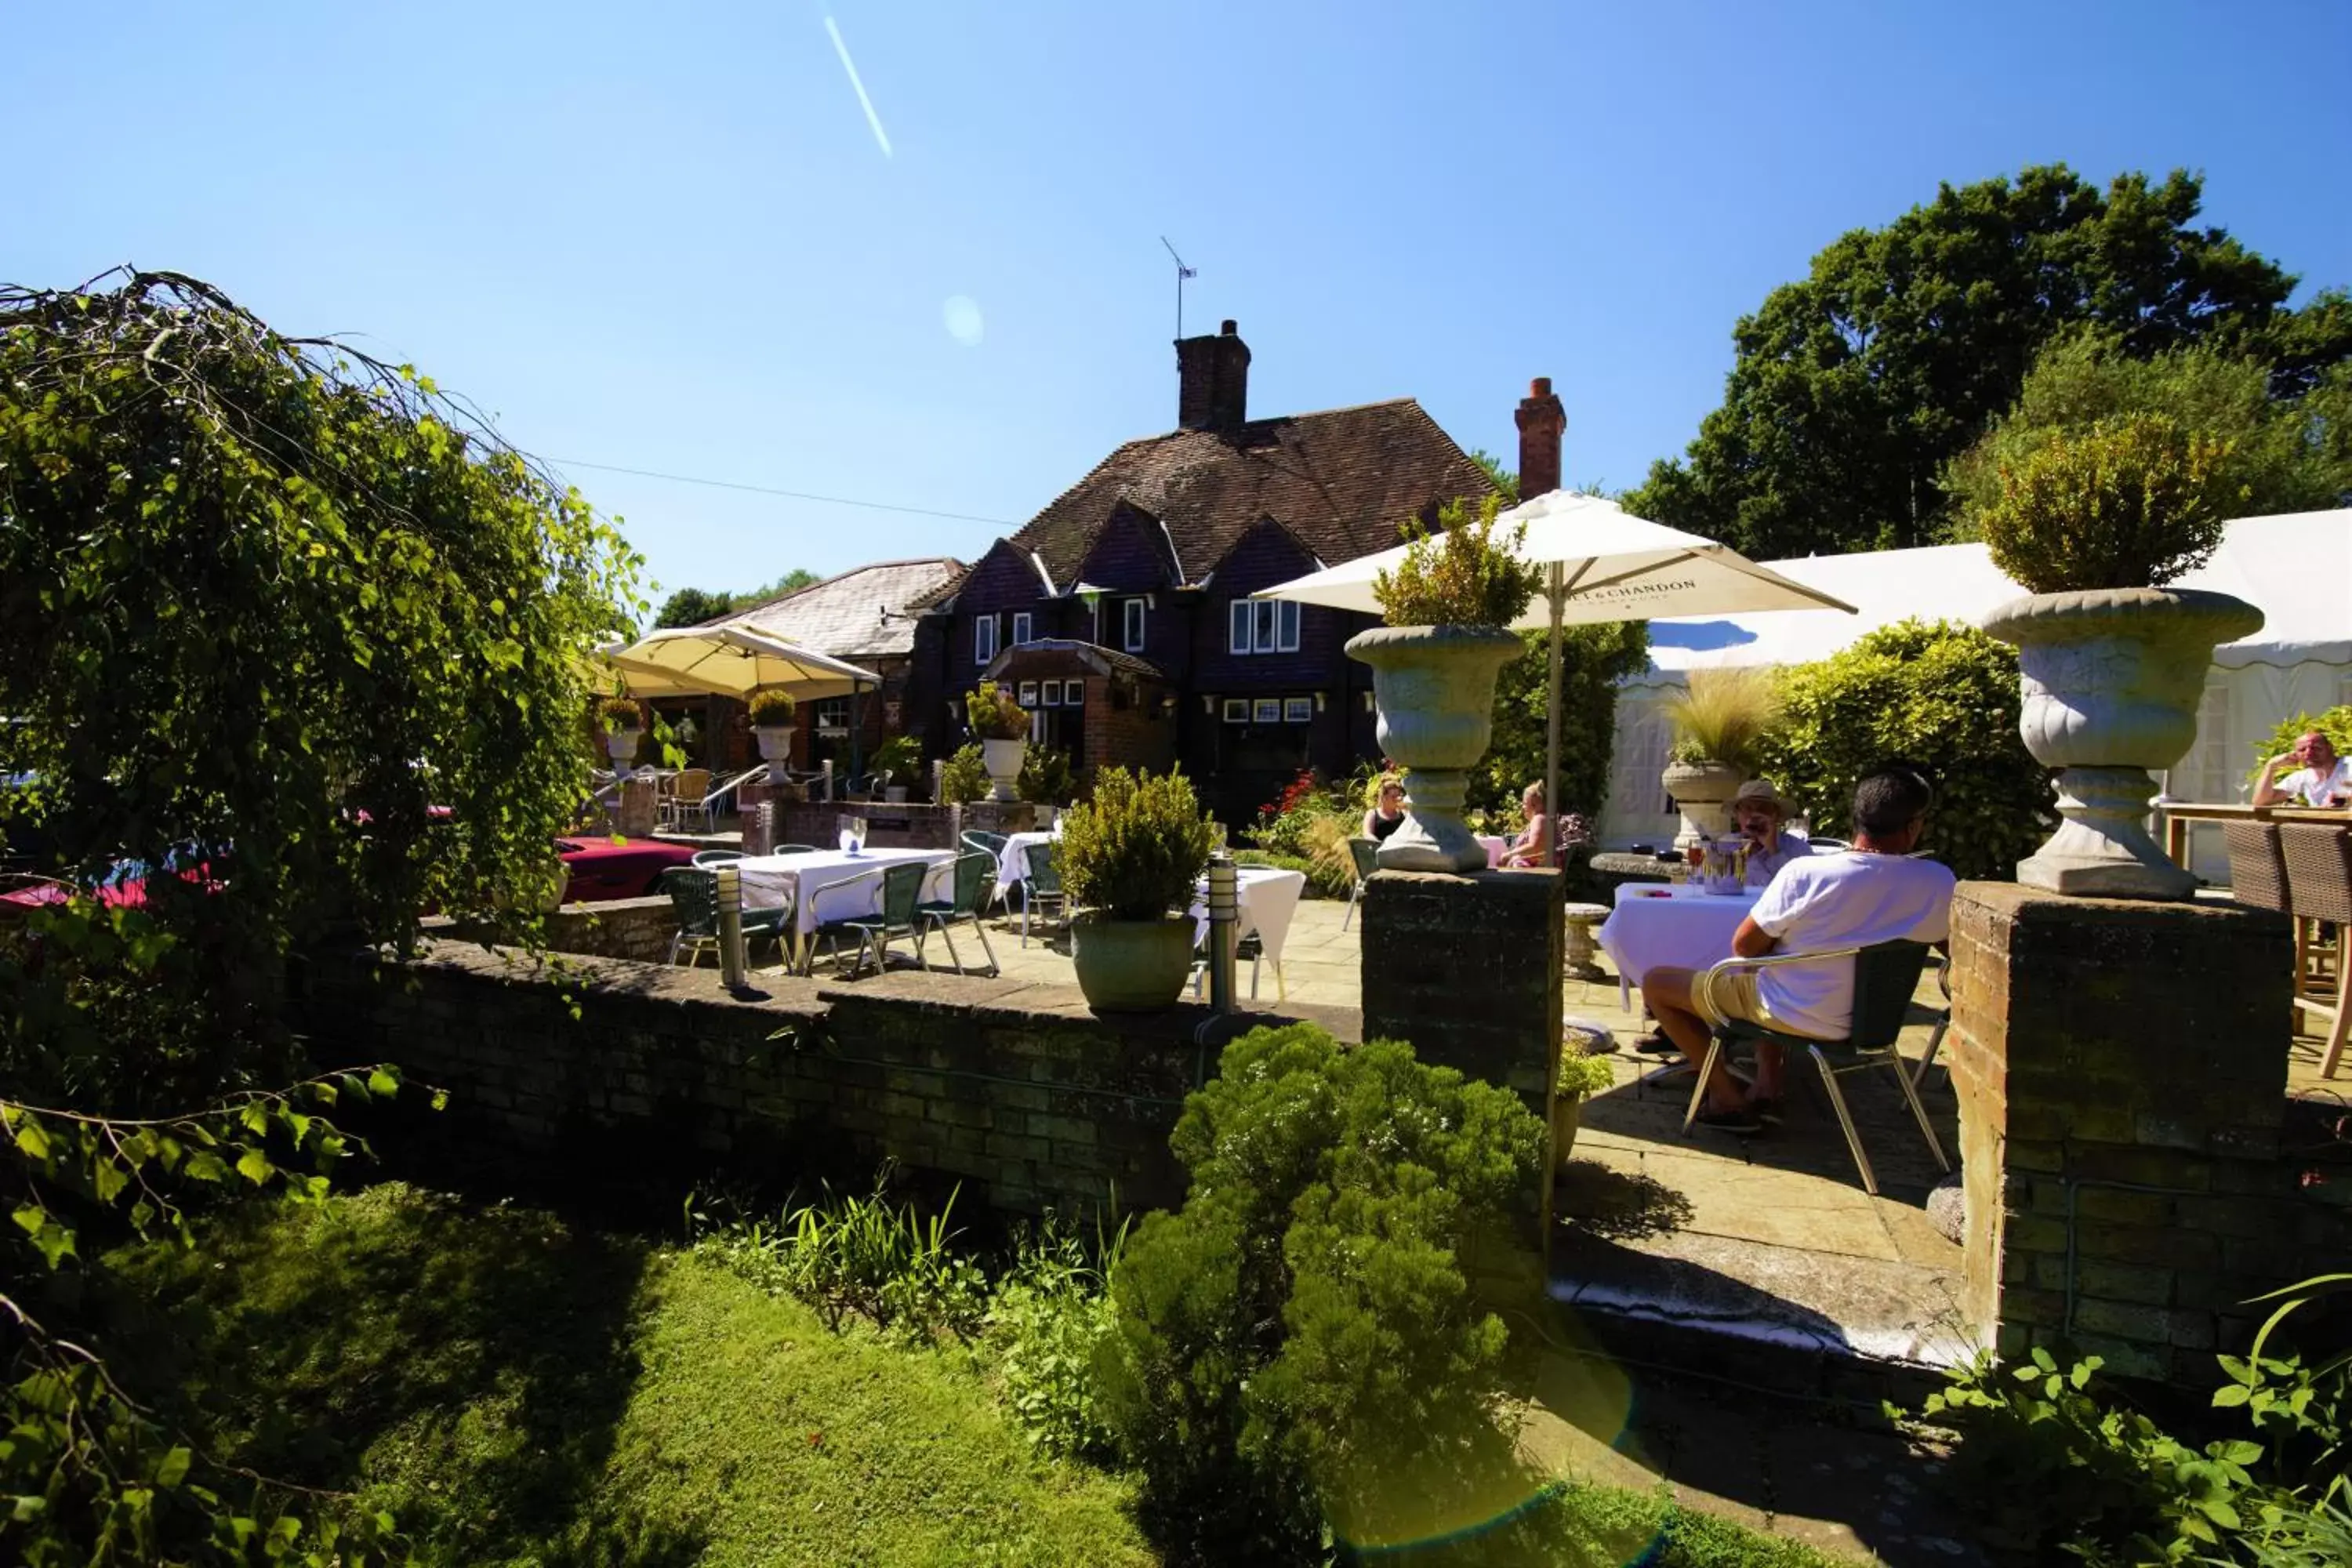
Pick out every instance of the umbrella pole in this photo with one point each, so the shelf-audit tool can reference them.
(1558, 594)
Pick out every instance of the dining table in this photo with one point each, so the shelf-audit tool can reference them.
(1658, 924)
(1268, 896)
(1012, 860)
(827, 885)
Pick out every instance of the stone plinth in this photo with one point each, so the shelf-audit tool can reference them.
(1466, 967)
(640, 811)
(2121, 1071)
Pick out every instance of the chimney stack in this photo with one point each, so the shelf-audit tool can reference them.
(1212, 381)
(1542, 422)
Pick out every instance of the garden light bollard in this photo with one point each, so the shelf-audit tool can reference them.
(825, 781)
(731, 928)
(1225, 919)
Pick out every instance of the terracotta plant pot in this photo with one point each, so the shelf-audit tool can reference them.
(1434, 687)
(1702, 792)
(1002, 760)
(2112, 677)
(1131, 966)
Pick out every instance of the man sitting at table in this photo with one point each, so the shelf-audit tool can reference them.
(1761, 817)
(2320, 778)
(1869, 894)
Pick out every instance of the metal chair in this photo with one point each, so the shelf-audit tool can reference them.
(694, 899)
(1363, 855)
(715, 856)
(2318, 858)
(1885, 976)
(1943, 961)
(975, 880)
(993, 846)
(902, 894)
(794, 850)
(1043, 885)
(1251, 947)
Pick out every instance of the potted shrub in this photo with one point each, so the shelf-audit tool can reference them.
(1004, 730)
(896, 760)
(622, 722)
(1580, 1074)
(2111, 662)
(1720, 721)
(1449, 605)
(771, 725)
(1129, 859)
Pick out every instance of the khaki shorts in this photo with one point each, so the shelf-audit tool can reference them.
(1733, 995)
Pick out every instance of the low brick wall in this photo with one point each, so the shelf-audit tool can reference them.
(1016, 1090)
(638, 929)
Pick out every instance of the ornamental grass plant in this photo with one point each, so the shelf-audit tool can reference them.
(1463, 575)
(1134, 848)
(1723, 716)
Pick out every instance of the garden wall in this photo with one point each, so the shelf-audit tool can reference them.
(1016, 1090)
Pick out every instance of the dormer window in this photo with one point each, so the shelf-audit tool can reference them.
(1021, 623)
(1263, 626)
(1134, 612)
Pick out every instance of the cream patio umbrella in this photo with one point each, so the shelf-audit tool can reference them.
(733, 661)
(1601, 563)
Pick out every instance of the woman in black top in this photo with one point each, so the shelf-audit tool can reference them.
(1387, 813)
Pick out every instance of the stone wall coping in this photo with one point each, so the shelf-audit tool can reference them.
(2039, 906)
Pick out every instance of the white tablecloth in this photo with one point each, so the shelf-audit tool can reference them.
(1661, 923)
(811, 882)
(1494, 844)
(1012, 860)
(1268, 898)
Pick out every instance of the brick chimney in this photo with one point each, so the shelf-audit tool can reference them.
(1212, 381)
(1542, 422)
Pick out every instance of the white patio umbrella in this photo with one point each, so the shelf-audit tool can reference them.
(1600, 563)
(729, 661)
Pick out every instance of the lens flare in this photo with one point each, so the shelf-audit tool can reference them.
(961, 314)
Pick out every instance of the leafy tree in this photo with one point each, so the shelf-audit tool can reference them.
(1852, 388)
(1941, 696)
(1593, 659)
(2285, 453)
(692, 606)
(253, 584)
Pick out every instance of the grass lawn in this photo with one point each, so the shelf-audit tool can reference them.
(518, 1391)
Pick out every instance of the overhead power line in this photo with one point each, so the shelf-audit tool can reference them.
(772, 490)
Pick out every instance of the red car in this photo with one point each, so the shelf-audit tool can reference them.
(604, 868)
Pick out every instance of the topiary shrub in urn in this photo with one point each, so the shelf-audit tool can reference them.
(1130, 855)
(1449, 605)
(2111, 663)
(771, 714)
(1003, 726)
(622, 722)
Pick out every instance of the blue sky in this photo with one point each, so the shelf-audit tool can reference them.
(669, 238)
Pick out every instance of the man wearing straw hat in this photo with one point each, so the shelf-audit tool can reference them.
(1761, 817)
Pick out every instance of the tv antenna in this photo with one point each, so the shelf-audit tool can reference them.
(1182, 272)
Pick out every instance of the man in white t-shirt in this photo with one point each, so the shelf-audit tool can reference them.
(2320, 777)
(1856, 897)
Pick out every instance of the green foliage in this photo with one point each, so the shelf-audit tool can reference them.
(900, 756)
(1134, 847)
(1593, 659)
(2285, 453)
(693, 606)
(1853, 387)
(771, 707)
(1463, 576)
(1940, 696)
(965, 778)
(1298, 1344)
(1045, 778)
(1582, 1074)
(1724, 715)
(615, 714)
(994, 715)
(2336, 724)
(882, 1261)
(2128, 503)
(1048, 1321)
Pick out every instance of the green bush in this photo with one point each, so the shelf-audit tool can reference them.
(2336, 724)
(1135, 847)
(1593, 659)
(1463, 576)
(2130, 502)
(1049, 1319)
(1940, 696)
(1316, 870)
(965, 778)
(1046, 778)
(994, 715)
(900, 756)
(1297, 1346)
(770, 708)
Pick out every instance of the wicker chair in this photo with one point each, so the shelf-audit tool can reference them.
(1885, 976)
(2318, 858)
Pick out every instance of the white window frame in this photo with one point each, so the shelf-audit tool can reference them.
(1262, 626)
(1286, 621)
(1049, 694)
(1022, 623)
(1132, 626)
(1267, 711)
(1028, 698)
(1073, 693)
(983, 639)
(1238, 621)
(1237, 711)
(1298, 710)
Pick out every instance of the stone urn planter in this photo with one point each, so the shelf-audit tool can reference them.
(1002, 760)
(1131, 966)
(621, 745)
(1702, 792)
(2112, 678)
(1434, 687)
(775, 743)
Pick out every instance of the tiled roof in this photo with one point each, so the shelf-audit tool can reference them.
(1341, 480)
(844, 615)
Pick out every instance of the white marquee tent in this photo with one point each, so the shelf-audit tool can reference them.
(2297, 568)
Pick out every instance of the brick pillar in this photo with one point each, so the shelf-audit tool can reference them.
(640, 811)
(2121, 1069)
